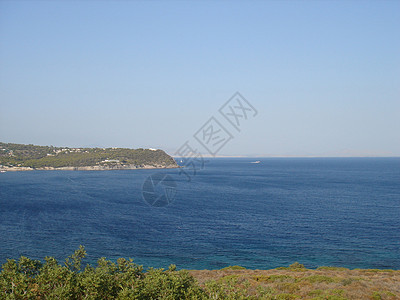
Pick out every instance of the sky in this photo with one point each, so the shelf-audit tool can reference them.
(323, 76)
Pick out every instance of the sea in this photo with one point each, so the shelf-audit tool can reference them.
(259, 213)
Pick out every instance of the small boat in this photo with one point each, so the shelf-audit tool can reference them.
(255, 162)
(3, 171)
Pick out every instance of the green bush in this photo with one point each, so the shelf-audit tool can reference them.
(294, 267)
(30, 279)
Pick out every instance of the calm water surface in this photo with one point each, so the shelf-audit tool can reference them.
(318, 211)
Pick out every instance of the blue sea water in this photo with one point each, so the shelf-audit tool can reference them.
(318, 211)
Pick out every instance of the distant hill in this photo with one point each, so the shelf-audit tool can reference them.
(16, 157)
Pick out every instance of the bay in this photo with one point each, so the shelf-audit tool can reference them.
(318, 211)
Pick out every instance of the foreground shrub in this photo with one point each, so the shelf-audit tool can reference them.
(30, 279)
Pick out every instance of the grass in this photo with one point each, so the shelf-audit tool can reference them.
(298, 282)
(376, 270)
(378, 295)
(234, 268)
(273, 278)
(332, 268)
(320, 279)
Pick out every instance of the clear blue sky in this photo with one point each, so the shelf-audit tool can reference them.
(323, 75)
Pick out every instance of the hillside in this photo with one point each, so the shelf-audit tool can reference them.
(29, 157)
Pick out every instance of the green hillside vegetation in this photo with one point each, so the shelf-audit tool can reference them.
(19, 155)
(123, 279)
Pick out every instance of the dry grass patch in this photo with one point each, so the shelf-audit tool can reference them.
(300, 283)
(234, 268)
(325, 268)
(274, 278)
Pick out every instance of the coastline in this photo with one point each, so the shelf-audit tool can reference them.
(90, 168)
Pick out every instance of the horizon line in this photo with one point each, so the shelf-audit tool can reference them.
(288, 156)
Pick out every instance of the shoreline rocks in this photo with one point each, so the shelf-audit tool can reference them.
(90, 168)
